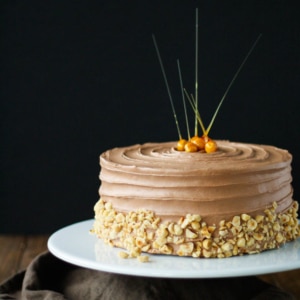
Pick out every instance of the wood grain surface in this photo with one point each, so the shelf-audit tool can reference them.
(17, 251)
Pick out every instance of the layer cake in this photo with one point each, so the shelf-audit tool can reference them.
(156, 199)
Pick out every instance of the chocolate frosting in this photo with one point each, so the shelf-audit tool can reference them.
(237, 178)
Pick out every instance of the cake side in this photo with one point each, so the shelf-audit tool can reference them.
(142, 231)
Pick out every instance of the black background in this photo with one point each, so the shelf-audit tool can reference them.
(80, 77)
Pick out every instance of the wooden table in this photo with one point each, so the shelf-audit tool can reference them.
(17, 251)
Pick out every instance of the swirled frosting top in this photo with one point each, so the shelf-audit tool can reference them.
(163, 157)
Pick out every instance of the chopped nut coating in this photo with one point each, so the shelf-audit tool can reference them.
(142, 231)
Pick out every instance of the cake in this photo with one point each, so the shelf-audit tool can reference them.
(155, 199)
(196, 197)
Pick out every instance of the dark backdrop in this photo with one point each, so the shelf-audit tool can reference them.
(79, 77)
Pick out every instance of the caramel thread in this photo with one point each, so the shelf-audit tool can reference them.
(167, 85)
(183, 99)
(231, 83)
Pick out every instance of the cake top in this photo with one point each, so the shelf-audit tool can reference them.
(164, 157)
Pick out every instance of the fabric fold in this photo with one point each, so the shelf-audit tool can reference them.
(49, 278)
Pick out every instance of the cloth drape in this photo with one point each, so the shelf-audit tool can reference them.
(48, 277)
